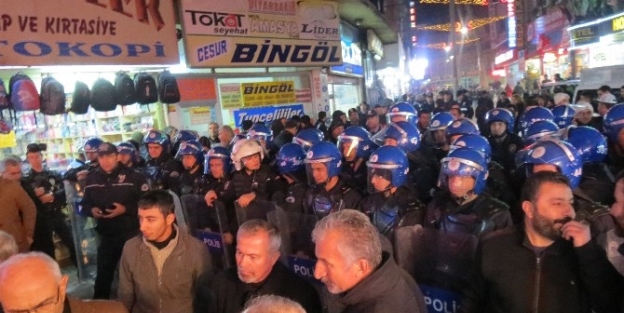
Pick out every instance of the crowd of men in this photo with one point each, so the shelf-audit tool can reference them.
(533, 193)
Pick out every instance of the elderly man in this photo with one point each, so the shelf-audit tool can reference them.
(561, 98)
(257, 273)
(18, 212)
(226, 136)
(354, 269)
(33, 282)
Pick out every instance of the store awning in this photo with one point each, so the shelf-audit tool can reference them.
(365, 15)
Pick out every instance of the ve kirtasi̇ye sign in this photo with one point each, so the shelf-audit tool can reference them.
(268, 93)
(258, 33)
(87, 32)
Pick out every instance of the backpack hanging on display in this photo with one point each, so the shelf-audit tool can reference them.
(5, 102)
(81, 98)
(168, 88)
(52, 96)
(103, 96)
(124, 89)
(145, 88)
(24, 95)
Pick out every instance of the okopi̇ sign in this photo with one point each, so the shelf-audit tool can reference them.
(91, 32)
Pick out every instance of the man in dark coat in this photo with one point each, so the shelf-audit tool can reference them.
(360, 277)
(550, 264)
(258, 272)
(286, 135)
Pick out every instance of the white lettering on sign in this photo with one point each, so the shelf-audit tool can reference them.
(281, 53)
(374, 43)
(440, 305)
(264, 117)
(273, 7)
(503, 57)
(511, 24)
(303, 271)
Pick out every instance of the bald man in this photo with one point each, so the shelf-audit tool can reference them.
(32, 282)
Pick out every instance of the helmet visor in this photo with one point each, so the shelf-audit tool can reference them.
(348, 146)
(379, 179)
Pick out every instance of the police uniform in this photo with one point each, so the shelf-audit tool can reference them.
(123, 186)
(595, 214)
(164, 173)
(52, 213)
(262, 183)
(191, 183)
(291, 196)
(354, 173)
(504, 152)
(479, 217)
(598, 182)
(423, 171)
(321, 202)
(402, 204)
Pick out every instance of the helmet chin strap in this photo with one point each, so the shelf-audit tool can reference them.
(461, 200)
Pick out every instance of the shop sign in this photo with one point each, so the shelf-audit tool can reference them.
(374, 43)
(511, 24)
(196, 88)
(230, 96)
(214, 51)
(303, 95)
(504, 57)
(267, 114)
(617, 24)
(93, 32)
(585, 35)
(268, 93)
(547, 32)
(519, 13)
(440, 300)
(352, 60)
(200, 115)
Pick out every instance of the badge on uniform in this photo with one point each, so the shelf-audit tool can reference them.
(174, 174)
(512, 148)
(144, 187)
(121, 177)
(290, 199)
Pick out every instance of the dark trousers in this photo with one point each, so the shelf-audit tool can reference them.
(58, 224)
(108, 255)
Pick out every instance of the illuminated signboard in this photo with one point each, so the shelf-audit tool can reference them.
(511, 24)
(504, 57)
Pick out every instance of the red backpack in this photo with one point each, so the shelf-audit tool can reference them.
(24, 95)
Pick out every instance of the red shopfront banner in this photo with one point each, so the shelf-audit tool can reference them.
(87, 32)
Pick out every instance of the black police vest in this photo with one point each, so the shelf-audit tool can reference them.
(256, 182)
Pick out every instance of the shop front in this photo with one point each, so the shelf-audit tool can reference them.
(598, 43)
(346, 82)
(547, 46)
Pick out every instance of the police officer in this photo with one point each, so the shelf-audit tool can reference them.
(532, 115)
(402, 112)
(111, 196)
(254, 181)
(264, 136)
(90, 151)
(128, 156)
(181, 136)
(163, 170)
(559, 156)
(390, 203)
(540, 130)
(217, 184)
(613, 124)
(462, 126)
(435, 143)
(328, 192)
(290, 166)
(306, 138)
(563, 115)
(462, 206)
(597, 181)
(465, 103)
(503, 141)
(49, 188)
(192, 156)
(356, 146)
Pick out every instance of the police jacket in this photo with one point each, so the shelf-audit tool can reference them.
(339, 197)
(355, 173)
(191, 183)
(391, 211)
(164, 173)
(226, 293)
(51, 182)
(123, 186)
(596, 214)
(478, 217)
(388, 289)
(291, 197)
(423, 173)
(598, 182)
(504, 152)
(512, 278)
(261, 182)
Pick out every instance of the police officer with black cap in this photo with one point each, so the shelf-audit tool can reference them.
(111, 196)
(49, 188)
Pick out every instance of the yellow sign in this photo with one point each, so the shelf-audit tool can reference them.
(230, 96)
(268, 93)
(200, 110)
(8, 140)
(618, 24)
(200, 115)
(88, 32)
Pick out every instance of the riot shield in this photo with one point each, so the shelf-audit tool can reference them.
(440, 262)
(83, 230)
(257, 209)
(209, 224)
(297, 247)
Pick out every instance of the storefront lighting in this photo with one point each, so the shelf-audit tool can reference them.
(594, 22)
(462, 2)
(499, 73)
(445, 46)
(606, 39)
(549, 57)
(464, 30)
(417, 68)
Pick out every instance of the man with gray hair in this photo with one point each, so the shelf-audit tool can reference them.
(273, 304)
(258, 272)
(353, 267)
(8, 247)
(32, 282)
(18, 212)
(226, 136)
